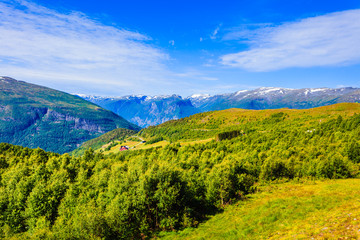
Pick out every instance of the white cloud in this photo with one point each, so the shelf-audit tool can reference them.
(172, 42)
(196, 75)
(327, 40)
(216, 31)
(210, 78)
(40, 44)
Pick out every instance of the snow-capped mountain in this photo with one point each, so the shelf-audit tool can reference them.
(271, 98)
(146, 110)
(152, 110)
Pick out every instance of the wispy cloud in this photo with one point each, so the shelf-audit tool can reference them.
(215, 32)
(222, 89)
(40, 43)
(327, 40)
(248, 32)
(193, 74)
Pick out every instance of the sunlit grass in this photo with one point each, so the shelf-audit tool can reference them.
(196, 142)
(311, 210)
(137, 145)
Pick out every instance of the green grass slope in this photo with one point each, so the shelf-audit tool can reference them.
(209, 124)
(308, 210)
(36, 116)
(96, 143)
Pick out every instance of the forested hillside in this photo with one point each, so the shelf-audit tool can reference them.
(35, 116)
(136, 194)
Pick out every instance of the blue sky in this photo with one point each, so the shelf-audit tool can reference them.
(119, 48)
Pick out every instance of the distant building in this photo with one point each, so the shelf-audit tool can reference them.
(124, 148)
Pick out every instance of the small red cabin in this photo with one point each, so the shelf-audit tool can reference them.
(124, 148)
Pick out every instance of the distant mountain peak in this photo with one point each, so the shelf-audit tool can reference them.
(241, 92)
(8, 79)
(146, 110)
(159, 97)
(127, 97)
(268, 90)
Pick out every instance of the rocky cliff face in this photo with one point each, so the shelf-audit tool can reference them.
(74, 122)
(35, 116)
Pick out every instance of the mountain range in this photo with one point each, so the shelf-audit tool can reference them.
(152, 110)
(145, 110)
(35, 116)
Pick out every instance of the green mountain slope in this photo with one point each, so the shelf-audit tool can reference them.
(36, 116)
(209, 124)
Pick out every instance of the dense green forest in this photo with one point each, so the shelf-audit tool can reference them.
(136, 194)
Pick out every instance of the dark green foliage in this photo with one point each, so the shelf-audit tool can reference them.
(273, 169)
(113, 144)
(353, 151)
(134, 139)
(277, 117)
(227, 135)
(154, 140)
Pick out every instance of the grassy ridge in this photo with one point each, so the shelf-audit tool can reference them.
(208, 124)
(307, 210)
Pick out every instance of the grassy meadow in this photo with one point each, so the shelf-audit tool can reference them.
(307, 209)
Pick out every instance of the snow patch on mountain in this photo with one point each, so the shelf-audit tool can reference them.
(267, 90)
(312, 90)
(80, 95)
(240, 92)
(200, 96)
(161, 97)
